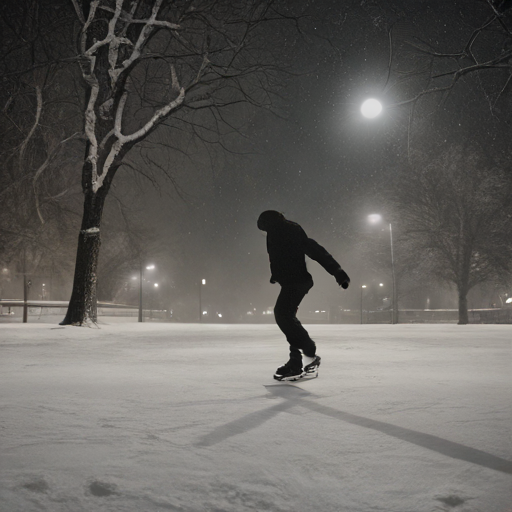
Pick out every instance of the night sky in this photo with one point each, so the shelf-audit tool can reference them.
(320, 162)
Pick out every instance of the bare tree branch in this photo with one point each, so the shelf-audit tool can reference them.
(39, 109)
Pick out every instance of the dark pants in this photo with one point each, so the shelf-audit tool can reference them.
(285, 312)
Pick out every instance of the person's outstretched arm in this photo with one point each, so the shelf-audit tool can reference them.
(318, 253)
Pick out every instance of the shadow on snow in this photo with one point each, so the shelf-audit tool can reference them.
(295, 396)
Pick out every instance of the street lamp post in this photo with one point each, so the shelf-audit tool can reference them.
(375, 218)
(370, 109)
(151, 302)
(149, 267)
(362, 289)
(140, 291)
(201, 284)
(393, 302)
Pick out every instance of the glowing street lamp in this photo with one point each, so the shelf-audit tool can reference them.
(362, 289)
(376, 218)
(371, 108)
(148, 267)
(151, 302)
(201, 312)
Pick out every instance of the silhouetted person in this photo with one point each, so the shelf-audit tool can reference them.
(287, 246)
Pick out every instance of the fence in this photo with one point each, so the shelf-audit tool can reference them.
(38, 310)
(438, 316)
(406, 316)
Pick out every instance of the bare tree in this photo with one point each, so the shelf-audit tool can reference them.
(146, 62)
(456, 210)
(456, 226)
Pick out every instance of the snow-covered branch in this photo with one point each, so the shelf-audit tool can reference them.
(90, 132)
(128, 18)
(134, 137)
(112, 42)
(83, 38)
(149, 25)
(159, 115)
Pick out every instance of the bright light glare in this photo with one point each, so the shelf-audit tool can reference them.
(150, 267)
(508, 301)
(371, 108)
(374, 218)
(156, 285)
(203, 281)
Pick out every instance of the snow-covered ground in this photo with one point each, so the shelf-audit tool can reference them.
(168, 417)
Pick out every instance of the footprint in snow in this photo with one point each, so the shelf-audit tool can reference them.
(38, 485)
(102, 489)
(451, 501)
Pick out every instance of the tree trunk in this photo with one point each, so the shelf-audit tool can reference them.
(463, 307)
(83, 303)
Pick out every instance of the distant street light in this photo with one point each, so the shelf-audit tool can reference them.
(371, 108)
(151, 302)
(149, 267)
(376, 218)
(201, 312)
(362, 289)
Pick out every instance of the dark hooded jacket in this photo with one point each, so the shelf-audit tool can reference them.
(287, 246)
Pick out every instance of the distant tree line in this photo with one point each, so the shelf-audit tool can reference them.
(453, 220)
(452, 207)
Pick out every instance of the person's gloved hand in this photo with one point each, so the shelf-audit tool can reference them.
(342, 278)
